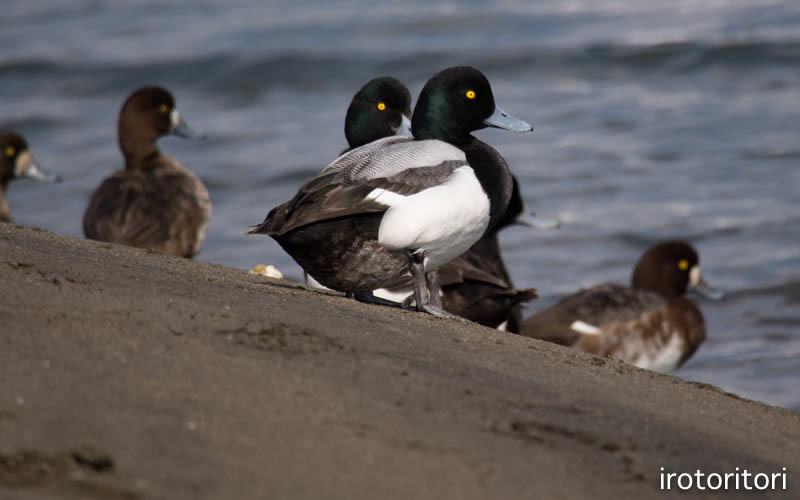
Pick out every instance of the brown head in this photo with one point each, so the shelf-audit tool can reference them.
(146, 115)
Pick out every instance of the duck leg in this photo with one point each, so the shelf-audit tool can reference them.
(434, 293)
(422, 290)
(435, 288)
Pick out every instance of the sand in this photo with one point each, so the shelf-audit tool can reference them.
(133, 375)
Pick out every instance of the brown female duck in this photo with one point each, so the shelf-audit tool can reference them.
(651, 324)
(154, 202)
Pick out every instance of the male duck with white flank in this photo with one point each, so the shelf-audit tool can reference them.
(155, 202)
(16, 162)
(650, 324)
(398, 208)
(476, 284)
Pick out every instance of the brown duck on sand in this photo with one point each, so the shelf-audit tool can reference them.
(651, 324)
(154, 202)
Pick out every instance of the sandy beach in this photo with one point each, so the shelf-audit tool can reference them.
(133, 375)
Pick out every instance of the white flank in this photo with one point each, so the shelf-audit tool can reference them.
(666, 359)
(395, 294)
(585, 328)
(503, 327)
(443, 221)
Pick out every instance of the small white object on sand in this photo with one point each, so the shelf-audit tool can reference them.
(269, 271)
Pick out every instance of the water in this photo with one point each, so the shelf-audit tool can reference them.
(654, 120)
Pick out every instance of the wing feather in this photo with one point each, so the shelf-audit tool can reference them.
(396, 164)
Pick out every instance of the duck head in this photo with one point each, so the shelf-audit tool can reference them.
(457, 101)
(381, 108)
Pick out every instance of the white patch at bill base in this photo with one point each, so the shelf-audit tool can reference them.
(174, 119)
(694, 276)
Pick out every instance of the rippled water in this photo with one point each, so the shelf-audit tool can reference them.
(653, 119)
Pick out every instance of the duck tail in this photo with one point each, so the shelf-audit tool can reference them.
(271, 225)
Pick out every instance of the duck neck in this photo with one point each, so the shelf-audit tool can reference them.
(136, 146)
(653, 281)
(492, 172)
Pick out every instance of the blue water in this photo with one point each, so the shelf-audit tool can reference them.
(653, 119)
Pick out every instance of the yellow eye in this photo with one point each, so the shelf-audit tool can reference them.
(381, 106)
(470, 94)
(10, 151)
(683, 265)
(163, 108)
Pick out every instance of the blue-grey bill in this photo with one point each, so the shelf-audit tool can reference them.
(705, 290)
(533, 221)
(182, 129)
(37, 173)
(501, 119)
(405, 128)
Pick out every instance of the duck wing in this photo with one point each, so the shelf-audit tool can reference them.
(590, 311)
(366, 180)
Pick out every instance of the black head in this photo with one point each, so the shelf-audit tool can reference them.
(456, 101)
(16, 161)
(146, 115)
(453, 103)
(377, 111)
(671, 269)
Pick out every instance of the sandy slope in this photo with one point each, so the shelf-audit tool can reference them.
(129, 374)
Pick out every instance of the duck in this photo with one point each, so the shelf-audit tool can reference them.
(154, 202)
(17, 162)
(394, 210)
(475, 285)
(650, 324)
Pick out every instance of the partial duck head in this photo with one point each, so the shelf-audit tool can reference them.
(381, 108)
(455, 102)
(16, 161)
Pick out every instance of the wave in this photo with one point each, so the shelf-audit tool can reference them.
(303, 70)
